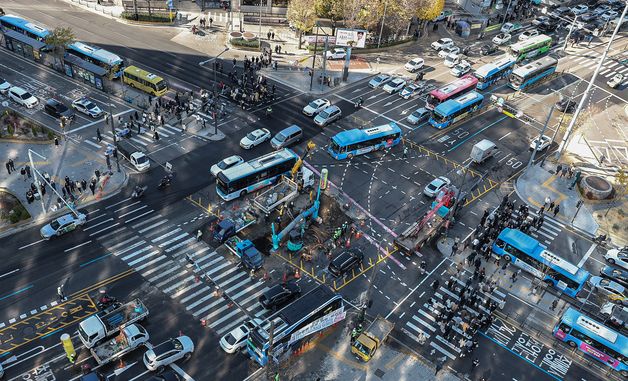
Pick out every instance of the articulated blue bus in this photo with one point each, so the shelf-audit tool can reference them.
(524, 76)
(350, 143)
(492, 72)
(593, 338)
(107, 60)
(25, 27)
(527, 253)
(453, 110)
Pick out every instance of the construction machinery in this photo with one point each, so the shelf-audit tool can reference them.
(367, 342)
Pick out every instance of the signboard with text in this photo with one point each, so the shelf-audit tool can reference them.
(351, 37)
(318, 325)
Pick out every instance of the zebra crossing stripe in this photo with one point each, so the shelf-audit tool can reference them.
(231, 326)
(165, 282)
(418, 330)
(443, 351)
(447, 343)
(168, 242)
(157, 268)
(146, 222)
(127, 257)
(150, 263)
(135, 245)
(198, 302)
(165, 273)
(613, 64)
(195, 294)
(93, 144)
(423, 323)
(179, 284)
(142, 259)
(229, 280)
(139, 141)
(186, 289)
(227, 316)
(153, 226)
(163, 236)
(178, 245)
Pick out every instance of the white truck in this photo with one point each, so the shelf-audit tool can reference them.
(110, 321)
(113, 349)
(482, 151)
(133, 155)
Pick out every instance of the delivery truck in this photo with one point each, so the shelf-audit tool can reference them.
(108, 322)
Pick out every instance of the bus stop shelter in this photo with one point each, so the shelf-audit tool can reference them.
(23, 45)
(89, 73)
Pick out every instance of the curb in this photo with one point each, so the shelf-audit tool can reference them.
(27, 225)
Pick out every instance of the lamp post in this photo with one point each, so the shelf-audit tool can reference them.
(36, 173)
(216, 62)
(113, 130)
(260, 24)
(381, 29)
(538, 140)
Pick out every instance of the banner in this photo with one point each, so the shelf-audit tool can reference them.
(318, 325)
(321, 39)
(354, 37)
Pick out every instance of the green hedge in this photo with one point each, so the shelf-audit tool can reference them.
(244, 43)
(155, 17)
(18, 213)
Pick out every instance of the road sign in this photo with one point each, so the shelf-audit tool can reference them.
(168, 166)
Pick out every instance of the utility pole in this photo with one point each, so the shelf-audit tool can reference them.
(314, 58)
(260, 24)
(36, 172)
(585, 96)
(538, 141)
(506, 13)
(381, 29)
(113, 130)
(324, 62)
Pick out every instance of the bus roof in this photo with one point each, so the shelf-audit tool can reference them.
(453, 105)
(492, 67)
(18, 21)
(530, 42)
(355, 135)
(597, 331)
(261, 162)
(466, 81)
(96, 52)
(541, 62)
(525, 241)
(154, 78)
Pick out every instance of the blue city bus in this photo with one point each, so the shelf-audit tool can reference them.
(97, 56)
(350, 143)
(313, 312)
(527, 253)
(524, 76)
(25, 27)
(492, 72)
(454, 110)
(254, 174)
(594, 339)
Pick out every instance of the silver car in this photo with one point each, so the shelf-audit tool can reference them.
(62, 225)
(418, 115)
(327, 116)
(164, 354)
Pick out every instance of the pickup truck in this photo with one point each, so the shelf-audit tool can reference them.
(113, 349)
(106, 323)
(365, 345)
(228, 228)
(133, 155)
(250, 257)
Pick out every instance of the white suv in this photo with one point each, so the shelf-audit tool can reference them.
(22, 97)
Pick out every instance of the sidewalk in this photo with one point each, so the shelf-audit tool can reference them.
(67, 159)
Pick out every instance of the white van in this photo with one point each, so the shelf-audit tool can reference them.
(452, 60)
(483, 150)
(287, 137)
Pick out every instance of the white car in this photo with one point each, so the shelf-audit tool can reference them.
(609, 15)
(442, 43)
(501, 39)
(22, 97)
(236, 339)
(540, 20)
(510, 27)
(461, 69)
(62, 225)
(452, 60)
(379, 80)
(579, 9)
(418, 115)
(447, 51)
(316, 106)
(4, 86)
(164, 354)
(255, 138)
(608, 287)
(87, 107)
(327, 116)
(395, 85)
(336, 54)
(432, 189)
(617, 257)
(616, 81)
(225, 164)
(528, 33)
(414, 64)
(410, 90)
(545, 142)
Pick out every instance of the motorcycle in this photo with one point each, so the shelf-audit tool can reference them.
(106, 301)
(358, 103)
(165, 181)
(138, 192)
(602, 240)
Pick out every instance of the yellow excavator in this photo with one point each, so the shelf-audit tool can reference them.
(295, 173)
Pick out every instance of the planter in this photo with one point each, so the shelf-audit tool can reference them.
(235, 35)
(248, 36)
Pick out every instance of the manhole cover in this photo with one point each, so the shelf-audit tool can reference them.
(379, 373)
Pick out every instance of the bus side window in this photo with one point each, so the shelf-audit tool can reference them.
(564, 327)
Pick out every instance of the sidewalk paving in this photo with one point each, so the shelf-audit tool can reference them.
(67, 159)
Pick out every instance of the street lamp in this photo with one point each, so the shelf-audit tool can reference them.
(216, 62)
(113, 130)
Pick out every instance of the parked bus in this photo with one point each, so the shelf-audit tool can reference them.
(350, 143)
(527, 253)
(593, 338)
(145, 81)
(18, 24)
(252, 175)
(107, 60)
(530, 48)
(313, 312)
(450, 112)
(492, 72)
(524, 76)
(451, 90)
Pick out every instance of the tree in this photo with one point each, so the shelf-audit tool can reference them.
(58, 39)
(302, 15)
(429, 9)
(329, 9)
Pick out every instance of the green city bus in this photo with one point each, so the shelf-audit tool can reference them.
(532, 47)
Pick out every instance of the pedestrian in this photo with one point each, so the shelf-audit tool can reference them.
(8, 165)
(156, 136)
(84, 184)
(439, 364)
(435, 284)
(28, 171)
(405, 152)
(475, 363)
(56, 142)
(98, 136)
(64, 192)
(272, 36)
(199, 235)
(61, 294)
(551, 205)
(564, 171)
(554, 304)
(92, 186)
(454, 249)
(23, 173)
(515, 275)
(547, 201)
(556, 210)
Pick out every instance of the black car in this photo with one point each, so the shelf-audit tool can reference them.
(488, 49)
(280, 295)
(613, 273)
(547, 27)
(567, 105)
(169, 375)
(58, 109)
(345, 261)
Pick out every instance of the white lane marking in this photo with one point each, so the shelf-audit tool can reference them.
(107, 228)
(31, 244)
(98, 224)
(77, 246)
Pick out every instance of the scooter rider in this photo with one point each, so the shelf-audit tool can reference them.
(359, 102)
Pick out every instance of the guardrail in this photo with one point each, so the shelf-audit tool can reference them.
(95, 5)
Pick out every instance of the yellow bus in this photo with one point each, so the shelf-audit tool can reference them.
(145, 81)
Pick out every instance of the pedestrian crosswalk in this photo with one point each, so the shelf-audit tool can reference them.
(140, 140)
(611, 66)
(174, 262)
(423, 324)
(550, 229)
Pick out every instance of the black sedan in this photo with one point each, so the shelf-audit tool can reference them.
(613, 273)
(345, 261)
(280, 295)
(488, 49)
